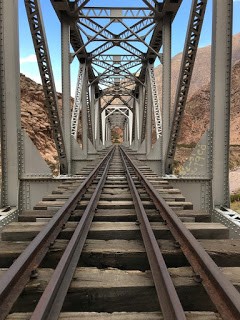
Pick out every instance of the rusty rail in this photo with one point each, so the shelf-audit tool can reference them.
(223, 294)
(16, 277)
(167, 296)
(51, 301)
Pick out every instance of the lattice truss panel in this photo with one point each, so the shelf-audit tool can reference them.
(89, 116)
(116, 44)
(155, 102)
(189, 55)
(77, 102)
(144, 123)
(43, 58)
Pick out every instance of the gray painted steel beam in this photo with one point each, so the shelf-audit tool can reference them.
(166, 86)
(77, 101)
(144, 115)
(188, 59)
(89, 115)
(66, 92)
(148, 130)
(155, 101)
(84, 115)
(220, 99)
(41, 48)
(9, 103)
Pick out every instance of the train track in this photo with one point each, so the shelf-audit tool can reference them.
(115, 243)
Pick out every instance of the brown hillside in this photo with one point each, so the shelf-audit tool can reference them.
(201, 72)
(196, 117)
(34, 119)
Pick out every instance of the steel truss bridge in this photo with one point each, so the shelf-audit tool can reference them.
(116, 87)
(117, 49)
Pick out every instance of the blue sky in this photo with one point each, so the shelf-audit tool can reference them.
(27, 57)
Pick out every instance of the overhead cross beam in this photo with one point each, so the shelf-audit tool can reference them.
(115, 13)
(138, 44)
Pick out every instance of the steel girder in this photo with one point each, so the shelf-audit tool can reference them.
(89, 116)
(116, 12)
(77, 101)
(188, 59)
(134, 120)
(40, 45)
(144, 120)
(155, 101)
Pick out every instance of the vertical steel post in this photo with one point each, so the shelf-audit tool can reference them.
(98, 124)
(149, 117)
(137, 123)
(220, 98)
(66, 92)
(103, 114)
(92, 106)
(96, 121)
(9, 102)
(130, 126)
(109, 133)
(166, 86)
(140, 107)
(84, 115)
(106, 130)
(125, 130)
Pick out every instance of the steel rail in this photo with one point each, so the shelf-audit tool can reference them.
(52, 299)
(15, 278)
(167, 296)
(223, 294)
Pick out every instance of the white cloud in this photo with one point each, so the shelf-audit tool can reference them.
(29, 59)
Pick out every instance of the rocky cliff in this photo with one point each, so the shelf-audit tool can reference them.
(34, 119)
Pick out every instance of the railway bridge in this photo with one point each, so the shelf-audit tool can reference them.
(117, 235)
